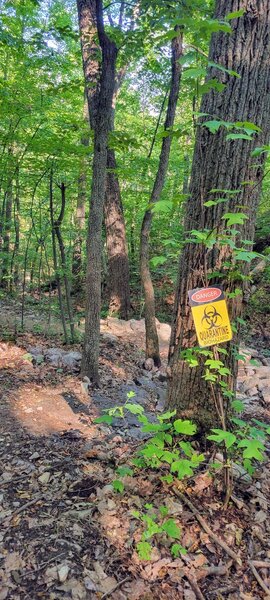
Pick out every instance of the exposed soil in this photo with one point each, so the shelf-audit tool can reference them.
(65, 532)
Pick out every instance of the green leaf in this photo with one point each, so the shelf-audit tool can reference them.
(163, 511)
(247, 125)
(131, 394)
(183, 468)
(104, 419)
(235, 15)
(214, 364)
(215, 202)
(158, 260)
(194, 73)
(135, 409)
(177, 549)
(213, 125)
(220, 436)
(144, 550)
(224, 69)
(252, 449)
(167, 478)
(184, 427)
(172, 529)
(234, 218)
(163, 206)
(238, 406)
(122, 471)
(118, 486)
(169, 457)
(238, 136)
(167, 415)
(187, 448)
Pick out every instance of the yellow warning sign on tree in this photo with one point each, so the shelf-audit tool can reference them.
(210, 314)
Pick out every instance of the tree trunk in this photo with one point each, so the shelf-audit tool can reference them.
(5, 276)
(14, 266)
(103, 115)
(118, 265)
(152, 343)
(80, 211)
(220, 164)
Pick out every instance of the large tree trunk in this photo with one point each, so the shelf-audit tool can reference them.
(103, 115)
(152, 343)
(221, 164)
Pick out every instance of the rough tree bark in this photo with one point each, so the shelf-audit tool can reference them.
(118, 264)
(221, 165)
(102, 118)
(152, 343)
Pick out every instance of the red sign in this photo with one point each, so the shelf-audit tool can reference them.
(206, 295)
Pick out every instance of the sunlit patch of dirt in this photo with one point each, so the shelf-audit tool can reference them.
(43, 411)
(117, 371)
(12, 357)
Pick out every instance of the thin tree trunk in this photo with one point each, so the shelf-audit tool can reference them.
(14, 267)
(152, 343)
(103, 114)
(220, 164)
(56, 271)
(5, 276)
(80, 210)
(57, 228)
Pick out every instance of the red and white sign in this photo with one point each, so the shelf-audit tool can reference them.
(206, 295)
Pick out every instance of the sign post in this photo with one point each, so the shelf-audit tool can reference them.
(210, 315)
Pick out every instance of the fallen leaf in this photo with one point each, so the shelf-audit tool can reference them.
(63, 571)
(13, 562)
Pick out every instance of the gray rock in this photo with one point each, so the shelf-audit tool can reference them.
(109, 338)
(71, 361)
(149, 364)
(54, 356)
(35, 350)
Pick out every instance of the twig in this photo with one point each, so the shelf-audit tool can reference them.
(44, 564)
(22, 508)
(261, 564)
(258, 578)
(118, 585)
(206, 527)
(214, 570)
(26, 505)
(194, 586)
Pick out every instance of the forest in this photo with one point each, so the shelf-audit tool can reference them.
(134, 299)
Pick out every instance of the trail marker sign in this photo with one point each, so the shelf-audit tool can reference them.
(210, 315)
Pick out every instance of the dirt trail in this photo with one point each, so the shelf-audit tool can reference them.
(64, 532)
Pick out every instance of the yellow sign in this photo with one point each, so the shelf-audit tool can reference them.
(210, 314)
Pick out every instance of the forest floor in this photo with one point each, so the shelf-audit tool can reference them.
(65, 532)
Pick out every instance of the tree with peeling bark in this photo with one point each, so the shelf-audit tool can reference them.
(152, 343)
(226, 178)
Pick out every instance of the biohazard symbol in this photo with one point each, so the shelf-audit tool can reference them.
(211, 318)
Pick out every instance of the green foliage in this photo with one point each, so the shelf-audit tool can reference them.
(155, 525)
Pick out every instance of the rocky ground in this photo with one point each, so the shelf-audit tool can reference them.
(65, 532)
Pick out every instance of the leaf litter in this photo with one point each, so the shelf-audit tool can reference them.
(65, 532)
